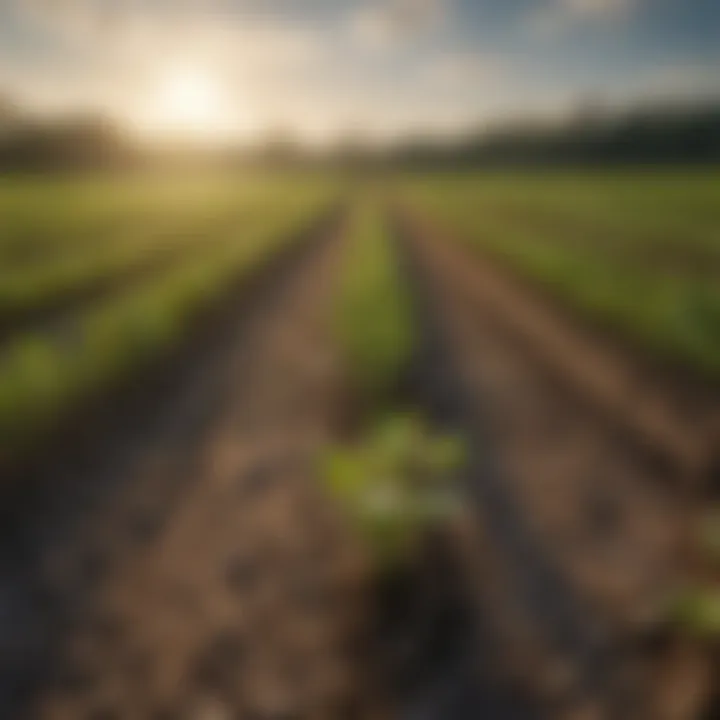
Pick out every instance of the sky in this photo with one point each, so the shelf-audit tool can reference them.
(328, 68)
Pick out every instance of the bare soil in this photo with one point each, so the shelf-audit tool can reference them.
(582, 479)
(214, 580)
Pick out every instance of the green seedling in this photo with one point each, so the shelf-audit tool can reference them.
(697, 611)
(395, 484)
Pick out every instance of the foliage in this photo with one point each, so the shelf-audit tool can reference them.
(696, 608)
(698, 612)
(680, 133)
(395, 483)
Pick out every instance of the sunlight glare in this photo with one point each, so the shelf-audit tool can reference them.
(192, 103)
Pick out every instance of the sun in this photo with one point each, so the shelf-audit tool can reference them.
(190, 102)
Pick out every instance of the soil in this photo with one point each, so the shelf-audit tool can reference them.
(583, 480)
(206, 576)
(675, 416)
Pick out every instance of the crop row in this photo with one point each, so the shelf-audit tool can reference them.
(670, 209)
(44, 220)
(373, 317)
(674, 312)
(26, 292)
(393, 477)
(43, 378)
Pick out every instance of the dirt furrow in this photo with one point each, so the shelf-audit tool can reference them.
(581, 542)
(216, 581)
(674, 420)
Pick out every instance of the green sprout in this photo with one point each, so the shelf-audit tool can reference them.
(697, 610)
(395, 484)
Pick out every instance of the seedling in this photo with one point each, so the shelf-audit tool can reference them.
(396, 483)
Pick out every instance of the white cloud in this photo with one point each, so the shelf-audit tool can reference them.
(134, 33)
(117, 61)
(558, 16)
(463, 69)
(666, 83)
(389, 21)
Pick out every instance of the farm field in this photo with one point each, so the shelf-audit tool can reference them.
(83, 314)
(283, 446)
(637, 252)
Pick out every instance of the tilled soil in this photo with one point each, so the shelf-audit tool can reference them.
(583, 533)
(216, 581)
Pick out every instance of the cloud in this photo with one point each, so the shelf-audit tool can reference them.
(115, 55)
(391, 21)
(559, 16)
(133, 34)
(464, 69)
(672, 81)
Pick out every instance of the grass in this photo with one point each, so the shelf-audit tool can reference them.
(636, 252)
(44, 377)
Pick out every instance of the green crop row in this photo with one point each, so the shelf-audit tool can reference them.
(44, 220)
(671, 208)
(394, 478)
(30, 289)
(676, 315)
(373, 319)
(44, 378)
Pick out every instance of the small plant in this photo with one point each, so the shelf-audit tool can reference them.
(697, 611)
(396, 483)
(708, 538)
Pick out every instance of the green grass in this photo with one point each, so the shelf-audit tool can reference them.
(636, 252)
(44, 377)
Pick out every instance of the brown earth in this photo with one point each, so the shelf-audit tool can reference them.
(218, 582)
(582, 491)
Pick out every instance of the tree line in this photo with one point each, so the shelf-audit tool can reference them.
(679, 134)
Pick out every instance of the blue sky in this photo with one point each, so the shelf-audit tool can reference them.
(378, 66)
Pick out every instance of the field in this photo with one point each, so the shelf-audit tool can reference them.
(639, 253)
(282, 446)
(101, 280)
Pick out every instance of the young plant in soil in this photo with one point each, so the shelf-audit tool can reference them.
(396, 483)
(394, 476)
(696, 610)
